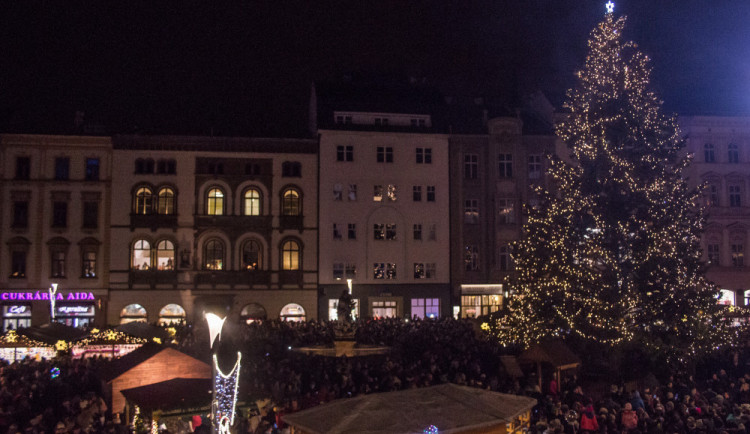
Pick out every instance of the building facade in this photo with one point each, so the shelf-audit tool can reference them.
(213, 224)
(384, 225)
(54, 229)
(720, 147)
(492, 176)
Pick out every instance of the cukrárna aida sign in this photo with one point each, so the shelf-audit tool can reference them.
(44, 295)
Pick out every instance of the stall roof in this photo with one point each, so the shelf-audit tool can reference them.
(451, 408)
(131, 360)
(177, 393)
(143, 330)
(53, 332)
(554, 352)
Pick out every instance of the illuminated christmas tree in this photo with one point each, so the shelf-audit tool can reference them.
(612, 251)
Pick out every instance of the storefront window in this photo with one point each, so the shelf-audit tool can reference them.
(425, 307)
(384, 309)
(172, 314)
(292, 312)
(253, 312)
(75, 315)
(16, 316)
(133, 313)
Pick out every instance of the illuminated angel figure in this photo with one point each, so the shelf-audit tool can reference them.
(226, 387)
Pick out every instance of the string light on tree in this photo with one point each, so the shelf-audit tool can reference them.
(612, 252)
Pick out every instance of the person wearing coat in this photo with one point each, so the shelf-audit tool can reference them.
(588, 420)
(628, 420)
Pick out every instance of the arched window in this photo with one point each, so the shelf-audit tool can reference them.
(166, 201)
(252, 203)
(708, 153)
(143, 200)
(291, 203)
(165, 255)
(253, 312)
(292, 312)
(290, 256)
(133, 313)
(171, 314)
(213, 255)
(251, 255)
(141, 255)
(215, 202)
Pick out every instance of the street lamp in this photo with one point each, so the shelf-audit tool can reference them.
(225, 386)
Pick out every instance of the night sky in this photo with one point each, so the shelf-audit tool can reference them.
(245, 67)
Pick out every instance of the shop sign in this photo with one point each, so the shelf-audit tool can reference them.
(75, 310)
(17, 310)
(44, 295)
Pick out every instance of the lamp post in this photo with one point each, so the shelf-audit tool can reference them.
(52, 300)
(225, 386)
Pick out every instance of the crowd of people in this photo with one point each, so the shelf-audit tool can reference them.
(55, 396)
(65, 395)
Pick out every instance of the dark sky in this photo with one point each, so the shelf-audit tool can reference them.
(245, 67)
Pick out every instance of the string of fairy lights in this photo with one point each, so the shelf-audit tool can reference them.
(612, 251)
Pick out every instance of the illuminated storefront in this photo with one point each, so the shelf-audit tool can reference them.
(21, 309)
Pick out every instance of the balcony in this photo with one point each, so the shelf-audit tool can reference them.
(291, 277)
(152, 277)
(245, 223)
(153, 221)
(233, 278)
(291, 222)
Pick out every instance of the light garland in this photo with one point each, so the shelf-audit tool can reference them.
(612, 252)
(226, 387)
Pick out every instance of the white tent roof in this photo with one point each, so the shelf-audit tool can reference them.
(451, 408)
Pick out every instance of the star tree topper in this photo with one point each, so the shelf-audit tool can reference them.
(610, 7)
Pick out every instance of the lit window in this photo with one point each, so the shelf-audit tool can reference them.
(471, 211)
(290, 256)
(252, 202)
(390, 231)
(165, 255)
(251, 255)
(166, 201)
(89, 264)
(425, 307)
(506, 209)
(738, 253)
(141, 255)
(213, 255)
(338, 270)
(378, 231)
(143, 200)
(215, 202)
(384, 270)
(424, 270)
(471, 258)
(377, 194)
(391, 193)
(291, 203)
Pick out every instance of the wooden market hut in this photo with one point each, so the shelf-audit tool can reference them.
(448, 407)
(149, 364)
(15, 347)
(551, 352)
